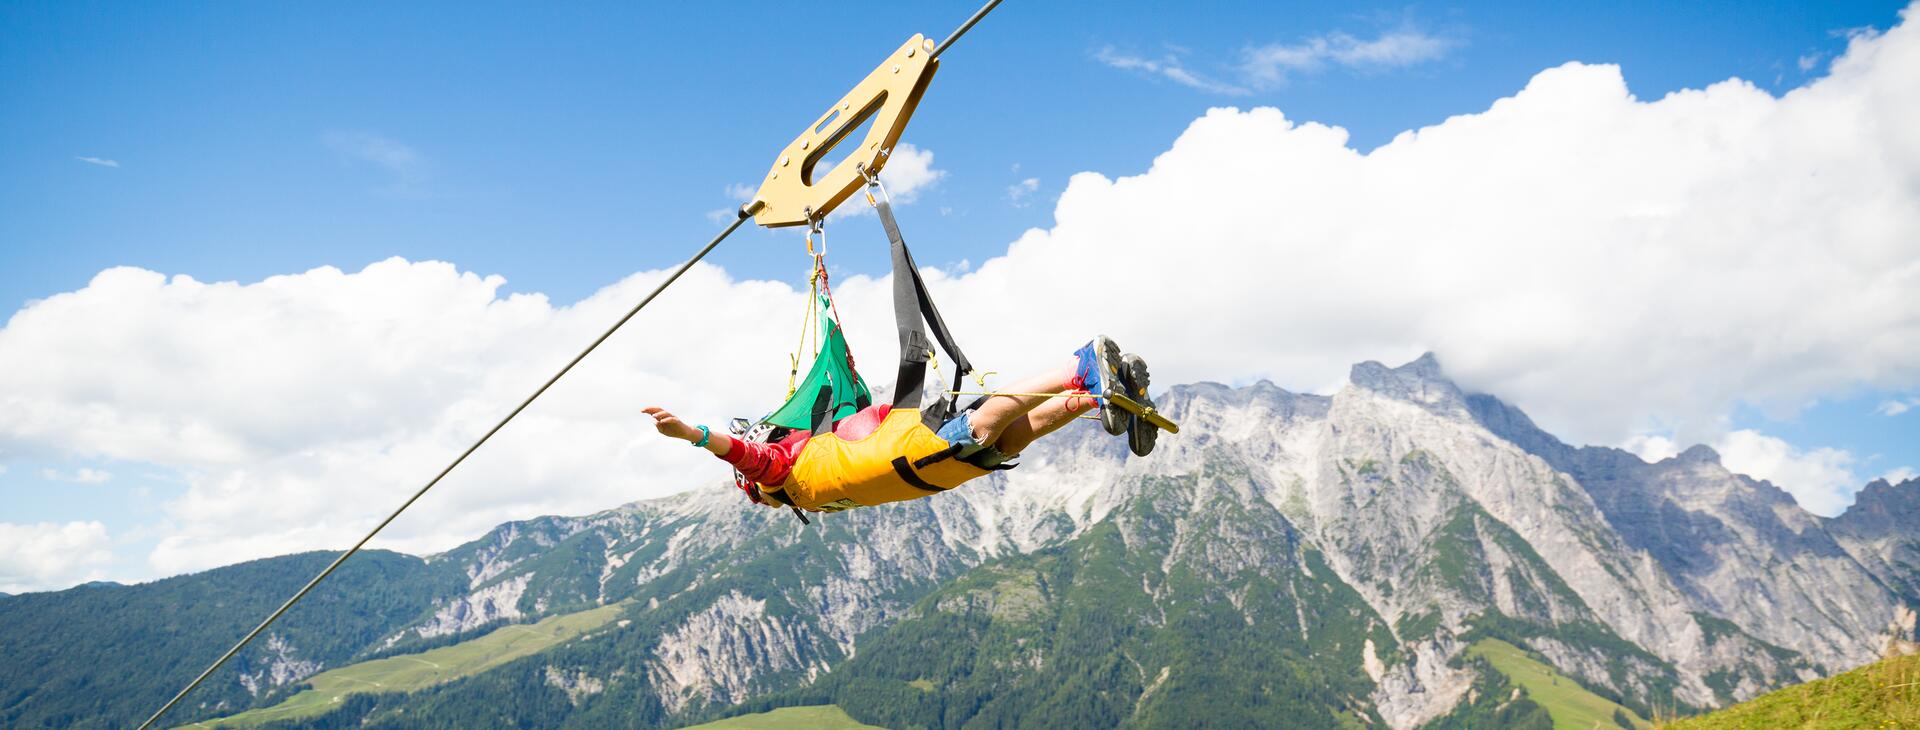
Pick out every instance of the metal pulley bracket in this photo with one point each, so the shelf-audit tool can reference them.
(798, 186)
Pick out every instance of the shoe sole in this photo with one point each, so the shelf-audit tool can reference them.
(1107, 359)
(1141, 434)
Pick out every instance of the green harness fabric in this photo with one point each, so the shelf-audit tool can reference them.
(833, 372)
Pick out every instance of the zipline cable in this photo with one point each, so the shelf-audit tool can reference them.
(964, 27)
(746, 211)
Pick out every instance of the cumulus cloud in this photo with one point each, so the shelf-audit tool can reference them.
(1610, 264)
(48, 555)
(1651, 447)
(291, 405)
(1820, 479)
(1900, 475)
(101, 161)
(909, 172)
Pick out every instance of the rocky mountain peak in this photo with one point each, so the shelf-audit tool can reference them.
(1699, 454)
(1884, 504)
(1421, 382)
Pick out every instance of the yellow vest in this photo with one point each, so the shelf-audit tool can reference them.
(833, 474)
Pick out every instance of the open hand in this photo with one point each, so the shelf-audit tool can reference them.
(671, 425)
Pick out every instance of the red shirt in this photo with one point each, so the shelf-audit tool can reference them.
(770, 464)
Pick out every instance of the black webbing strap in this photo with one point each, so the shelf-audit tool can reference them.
(913, 314)
(938, 456)
(823, 411)
(905, 471)
(780, 496)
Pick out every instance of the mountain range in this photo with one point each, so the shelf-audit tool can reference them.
(1337, 561)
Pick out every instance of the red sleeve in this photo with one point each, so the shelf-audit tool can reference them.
(767, 464)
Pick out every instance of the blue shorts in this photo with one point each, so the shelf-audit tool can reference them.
(958, 431)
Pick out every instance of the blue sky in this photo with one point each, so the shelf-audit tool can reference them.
(564, 148)
(542, 148)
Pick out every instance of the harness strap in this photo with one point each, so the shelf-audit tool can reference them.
(780, 496)
(914, 313)
(905, 471)
(938, 456)
(823, 411)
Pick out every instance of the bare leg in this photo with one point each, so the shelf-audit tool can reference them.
(1002, 412)
(1040, 421)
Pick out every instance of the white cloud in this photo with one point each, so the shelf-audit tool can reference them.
(46, 555)
(82, 475)
(1821, 479)
(1651, 447)
(1896, 407)
(405, 166)
(1405, 46)
(101, 161)
(1017, 193)
(1809, 62)
(297, 408)
(908, 173)
(1900, 474)
(1268, 66)
(1606, 263)
(1168, 67)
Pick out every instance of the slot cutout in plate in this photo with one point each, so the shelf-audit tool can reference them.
(818, 158)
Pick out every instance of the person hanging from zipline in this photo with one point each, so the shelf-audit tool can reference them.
(882, 453)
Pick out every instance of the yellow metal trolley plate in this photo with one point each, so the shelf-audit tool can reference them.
(797, 187)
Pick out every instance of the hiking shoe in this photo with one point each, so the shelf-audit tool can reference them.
(1140, 434)
(1099, 370)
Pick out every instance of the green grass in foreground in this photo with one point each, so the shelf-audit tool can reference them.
(412, 672)
(1571, 706)
(817, 717)
(1880, 696)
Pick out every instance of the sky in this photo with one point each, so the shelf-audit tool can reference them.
(268, 266)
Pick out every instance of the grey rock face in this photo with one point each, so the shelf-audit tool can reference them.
(1447, 515)
(1882, 531)
(1742, 550)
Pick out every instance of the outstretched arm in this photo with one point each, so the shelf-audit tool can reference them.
(671, 425)
(762, 463)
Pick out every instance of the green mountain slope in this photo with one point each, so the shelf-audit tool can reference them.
(1571, 706)
(1879, 696)
(822, 717)
(107, 656)
(746, 596)
(1195, 607)
(413, 672)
